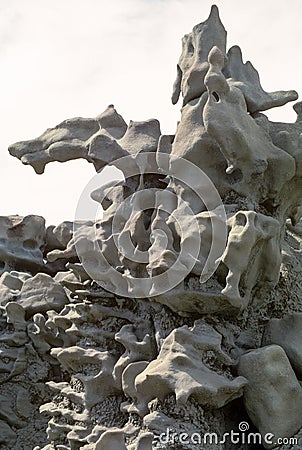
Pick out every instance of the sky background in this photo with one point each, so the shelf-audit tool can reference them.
(71, 58)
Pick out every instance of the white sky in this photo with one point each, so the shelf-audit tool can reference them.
(69, 58)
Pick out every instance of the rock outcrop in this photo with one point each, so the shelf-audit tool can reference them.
(175, 319)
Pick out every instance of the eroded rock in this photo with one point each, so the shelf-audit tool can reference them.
(273, 395)
(193, 65)
(41, 294)
(110, 344)
(21, 243)
(287, 332)
(182, 368)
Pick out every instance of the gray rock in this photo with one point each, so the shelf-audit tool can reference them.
(182, 368)
(21, 243)
(246, 147)
(193, 65)
(273, 395)
(252, 236)
(10, 285)
(246, 78)
(112, 122)
(7, 436)
(57, 237)
(64, 142)
(287, 332)
(195, 229)
(41, 294)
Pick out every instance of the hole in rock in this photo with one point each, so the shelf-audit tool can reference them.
(241, 219)
(216, 96)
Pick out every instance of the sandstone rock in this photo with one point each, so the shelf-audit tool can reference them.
(10, 285)
(57, 237)
(111, 347)
(252, 237)
(41, 294)
(192, 66)
(64, 142)
(112, 123)
(273, 395)
(287, 332)
(245, 145)
(22, 240)
(246, 78)
(181, 368)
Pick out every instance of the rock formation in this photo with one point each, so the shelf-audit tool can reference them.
(179, 311)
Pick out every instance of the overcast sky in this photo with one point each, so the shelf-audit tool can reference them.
(69, 58)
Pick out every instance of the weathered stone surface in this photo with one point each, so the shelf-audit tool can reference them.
(193, 65)
(7, 437)
(245, 145)
(101, 141)
(112, 123)
(252, 237)
(57, 237)
(110, 346)
(21, 243)
(193, 143)
(273, 395)
(246, 78)
(10, 286)
(181, 368)
(64, 142)
(287, 332)
(41, 294)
